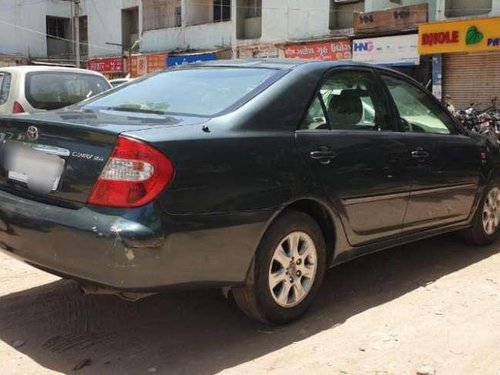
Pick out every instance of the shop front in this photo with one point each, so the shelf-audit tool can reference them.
(470, 55)
(390, 38)
(111, 67)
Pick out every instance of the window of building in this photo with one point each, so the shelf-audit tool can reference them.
(222, 10)
(59, 37)
(58, 27)
(130, 26)
(465, 8)
(178, 16)
(249, 19)
(161, 14)
(254, 8)
(342, 12)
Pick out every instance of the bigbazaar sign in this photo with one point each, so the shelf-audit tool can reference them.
(462, 36)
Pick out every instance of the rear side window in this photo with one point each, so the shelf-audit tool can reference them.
(200, 91)
(53, 90)
(5, 79)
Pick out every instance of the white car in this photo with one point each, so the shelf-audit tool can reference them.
(120, 81)
(39, 88)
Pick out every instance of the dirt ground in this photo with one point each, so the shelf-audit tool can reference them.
(434, 303)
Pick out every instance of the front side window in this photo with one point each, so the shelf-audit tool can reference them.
(351, 102)
(53, 90)
(418, 112)
(4, 87)
(202, 91)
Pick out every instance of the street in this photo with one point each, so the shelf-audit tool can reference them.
(434, 303)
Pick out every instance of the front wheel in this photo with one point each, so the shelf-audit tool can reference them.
(289, 267)
(485, 226)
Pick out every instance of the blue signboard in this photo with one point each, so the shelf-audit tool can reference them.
(437, 76)
(189, 59)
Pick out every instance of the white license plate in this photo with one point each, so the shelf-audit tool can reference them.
(40, 167)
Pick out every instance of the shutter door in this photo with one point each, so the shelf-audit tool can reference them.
(473, 77)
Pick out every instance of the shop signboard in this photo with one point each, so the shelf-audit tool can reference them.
(394, 19)
(144, 64)
(190, 59)
(335, 49)
(473, 35)
(389, 50)
(261, 51)
(108, 65)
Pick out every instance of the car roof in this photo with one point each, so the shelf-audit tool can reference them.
(45, 68)
(274, 63)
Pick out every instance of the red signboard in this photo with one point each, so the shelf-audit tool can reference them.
(327, 50)
(143, 64)
(107, 65)
(157, 62)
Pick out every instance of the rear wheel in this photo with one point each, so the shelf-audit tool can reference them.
(485, 226)
(289, 268)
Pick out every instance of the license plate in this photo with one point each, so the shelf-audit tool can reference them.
(38, 166)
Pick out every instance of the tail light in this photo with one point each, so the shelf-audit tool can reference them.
(17, 108)
(134, 175)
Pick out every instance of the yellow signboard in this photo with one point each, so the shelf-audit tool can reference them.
(473, 35)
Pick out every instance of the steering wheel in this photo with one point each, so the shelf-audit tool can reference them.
(405, 125)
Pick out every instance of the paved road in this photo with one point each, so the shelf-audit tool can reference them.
(435, 302)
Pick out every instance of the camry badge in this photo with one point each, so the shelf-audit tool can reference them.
(32, 133)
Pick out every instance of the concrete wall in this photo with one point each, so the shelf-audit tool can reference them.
(284, 20)
(23, 25)
(105, 24)
(206, 36)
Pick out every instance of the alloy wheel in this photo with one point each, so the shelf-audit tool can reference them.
(293, 269)
(491, 212)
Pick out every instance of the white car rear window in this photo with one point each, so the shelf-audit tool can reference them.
(53, 90)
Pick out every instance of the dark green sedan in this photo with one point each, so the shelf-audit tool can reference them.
(252, 176)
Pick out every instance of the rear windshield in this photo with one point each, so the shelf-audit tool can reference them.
(199, 91)
(4, 87)
(53, 90)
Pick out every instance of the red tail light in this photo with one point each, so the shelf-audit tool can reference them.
(17, 108)
(133, 176)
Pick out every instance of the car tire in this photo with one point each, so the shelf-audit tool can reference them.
(289, 267)
(485, 225)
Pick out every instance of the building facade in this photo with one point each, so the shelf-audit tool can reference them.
(35, 29)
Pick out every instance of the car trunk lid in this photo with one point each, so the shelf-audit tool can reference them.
(58, 156)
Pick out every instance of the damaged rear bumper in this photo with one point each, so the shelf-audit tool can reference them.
(127, 250)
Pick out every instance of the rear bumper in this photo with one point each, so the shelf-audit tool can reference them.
(130, 250)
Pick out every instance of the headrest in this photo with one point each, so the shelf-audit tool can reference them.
(346, 109)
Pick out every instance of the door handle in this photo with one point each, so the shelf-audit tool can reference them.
(323, 155)
(419, 153)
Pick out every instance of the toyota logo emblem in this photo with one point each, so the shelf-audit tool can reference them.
(32, 133)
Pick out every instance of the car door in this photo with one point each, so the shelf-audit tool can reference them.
(443, 163)
(351, 153)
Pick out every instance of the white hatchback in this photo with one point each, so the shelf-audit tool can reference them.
(39, 88)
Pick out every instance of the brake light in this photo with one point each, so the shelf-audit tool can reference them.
(134, 175)
(17, 108)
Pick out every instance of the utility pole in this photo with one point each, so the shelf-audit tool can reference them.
(75, 16)
(77, 31)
